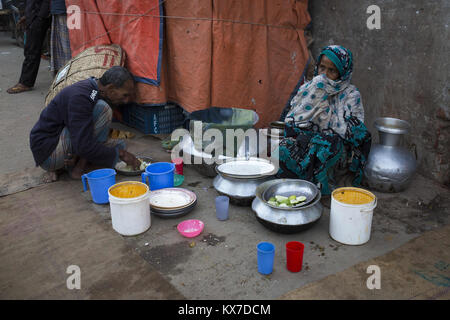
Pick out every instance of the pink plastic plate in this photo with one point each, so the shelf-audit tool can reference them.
(190, 228)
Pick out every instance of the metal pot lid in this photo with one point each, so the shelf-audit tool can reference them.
(252, 168)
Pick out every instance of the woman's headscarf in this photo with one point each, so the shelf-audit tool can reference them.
(325, 101)
(342, 59)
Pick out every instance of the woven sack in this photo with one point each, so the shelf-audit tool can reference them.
(92, 62)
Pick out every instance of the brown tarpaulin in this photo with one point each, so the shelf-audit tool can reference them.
(226, 53)
(120, 22)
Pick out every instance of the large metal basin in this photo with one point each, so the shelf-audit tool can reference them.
(240, 191)
(285, 220)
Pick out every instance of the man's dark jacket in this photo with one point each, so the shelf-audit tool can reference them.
(71, 108)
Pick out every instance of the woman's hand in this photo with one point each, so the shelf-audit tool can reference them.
(129, 159)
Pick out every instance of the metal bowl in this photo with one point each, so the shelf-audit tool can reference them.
(134, 173)
(288, 187)
(284, 220)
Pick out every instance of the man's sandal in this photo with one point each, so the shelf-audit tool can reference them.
(18, 88)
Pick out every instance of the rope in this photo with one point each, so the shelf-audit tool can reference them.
(194, 18)
(121, 25)
(145, 14)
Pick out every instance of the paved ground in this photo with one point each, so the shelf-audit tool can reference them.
(46, 227)
(419, 269)
(18, 113)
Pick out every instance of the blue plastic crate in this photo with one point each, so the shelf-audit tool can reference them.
(153, 119)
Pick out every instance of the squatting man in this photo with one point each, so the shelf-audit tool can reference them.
(72, 131)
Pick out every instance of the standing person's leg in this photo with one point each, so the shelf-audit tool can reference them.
(35, 36)
(36, 33)
(59, 43)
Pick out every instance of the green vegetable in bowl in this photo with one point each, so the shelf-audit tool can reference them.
(285, 202)
(281, 198)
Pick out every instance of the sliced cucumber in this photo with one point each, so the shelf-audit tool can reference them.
(281, 198)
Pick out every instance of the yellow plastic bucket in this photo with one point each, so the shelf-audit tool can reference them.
(351, 215)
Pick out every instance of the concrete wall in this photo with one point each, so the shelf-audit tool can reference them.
(402, 69)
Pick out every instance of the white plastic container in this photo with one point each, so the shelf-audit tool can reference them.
(351, 223)
(130, 216)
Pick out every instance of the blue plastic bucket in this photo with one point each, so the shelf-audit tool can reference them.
(99, 182)
(159, 174)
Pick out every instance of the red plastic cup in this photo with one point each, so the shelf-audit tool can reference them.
(294, 256)
(178, 165)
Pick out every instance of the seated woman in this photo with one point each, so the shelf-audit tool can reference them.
(329, 97)
(329, 109)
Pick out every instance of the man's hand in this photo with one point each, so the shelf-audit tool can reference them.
(21, 24)
(129, 159)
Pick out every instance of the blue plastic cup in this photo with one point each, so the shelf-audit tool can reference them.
(222, 205)
(99, 182)
(266, 254)
(159, 174)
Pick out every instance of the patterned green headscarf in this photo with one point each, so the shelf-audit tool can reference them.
(342, 59)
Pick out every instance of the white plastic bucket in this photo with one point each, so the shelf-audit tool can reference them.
(351, 223)
(130, 216)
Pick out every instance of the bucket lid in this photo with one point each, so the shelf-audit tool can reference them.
(128, 190)
(353, 196)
